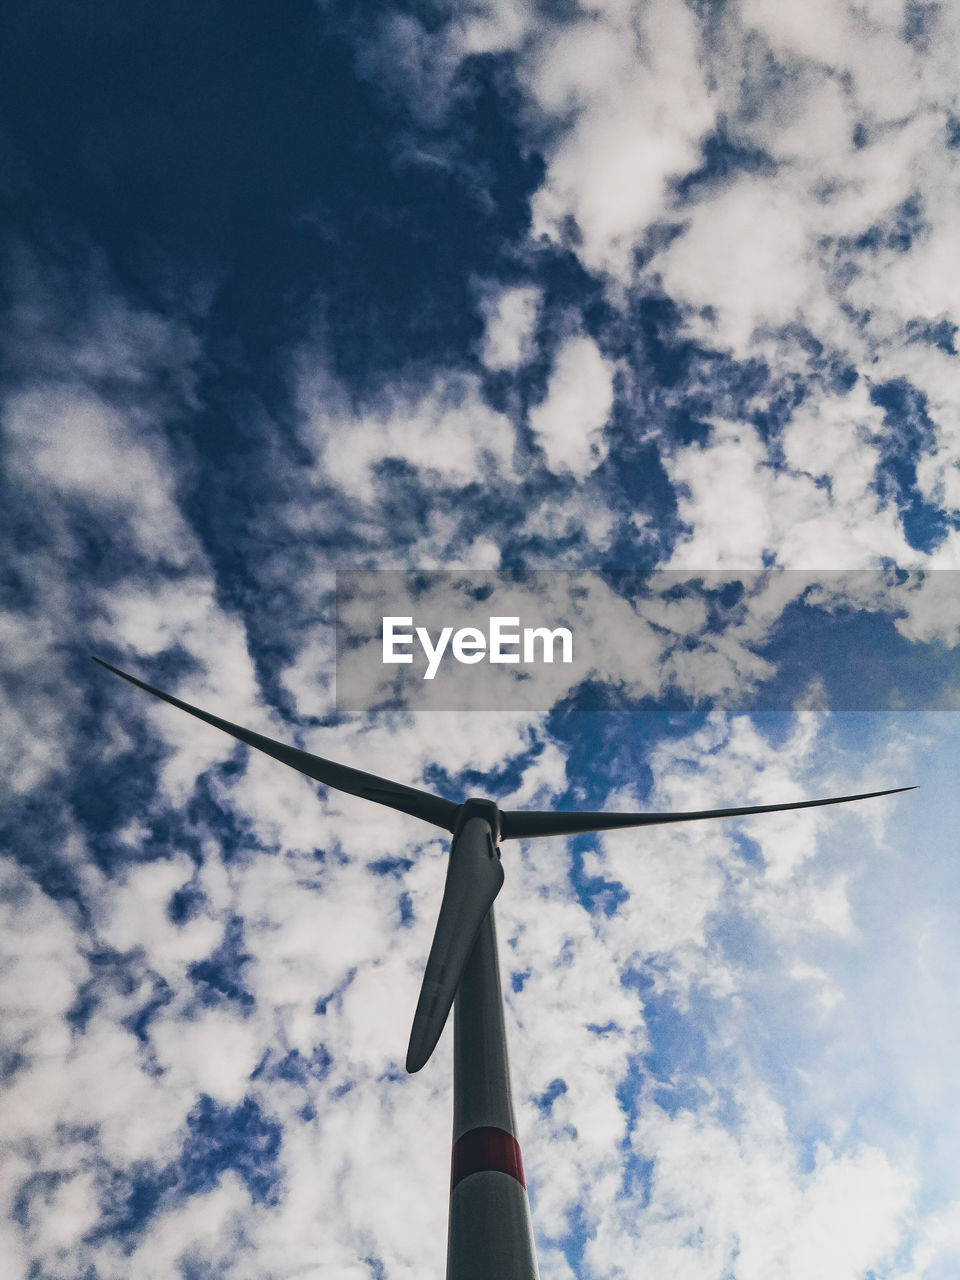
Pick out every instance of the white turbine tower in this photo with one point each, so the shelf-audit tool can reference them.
(490, 1234)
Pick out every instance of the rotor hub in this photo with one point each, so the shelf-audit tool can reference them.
(478, 807)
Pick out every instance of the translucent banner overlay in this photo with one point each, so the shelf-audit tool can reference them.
(866, 640)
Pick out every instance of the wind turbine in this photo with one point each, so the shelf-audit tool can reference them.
(490, 1236)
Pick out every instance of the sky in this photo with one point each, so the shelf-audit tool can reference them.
(656, 299)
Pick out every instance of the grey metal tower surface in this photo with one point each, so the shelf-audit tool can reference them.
(490, 1234)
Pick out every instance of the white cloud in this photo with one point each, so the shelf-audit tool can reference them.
(69, 443)
(511, 318)
(931, 606)
(151, 616)
(629, 87)
(37, 718)
(568, 520)
(740, 505)
(935, 1254)
(722, 1200)
(823, 33)
(745, 255)
(59, 1219)
(42, 968)
(133, 915)
(495, 26)
(86, 455)
(78, 330)
(210, 1229)
(568, 423)
(213, 1052)
(447, 434)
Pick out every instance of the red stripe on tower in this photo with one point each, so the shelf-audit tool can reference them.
(486, 1148)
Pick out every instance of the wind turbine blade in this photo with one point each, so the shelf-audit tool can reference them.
(520, 825)
(421, 804)
(474, 877)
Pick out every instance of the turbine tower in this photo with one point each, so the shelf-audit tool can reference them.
(490, 1235)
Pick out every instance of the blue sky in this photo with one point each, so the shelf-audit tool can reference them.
(632, 287)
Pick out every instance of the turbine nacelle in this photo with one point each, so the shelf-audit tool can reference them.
(478, 807)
